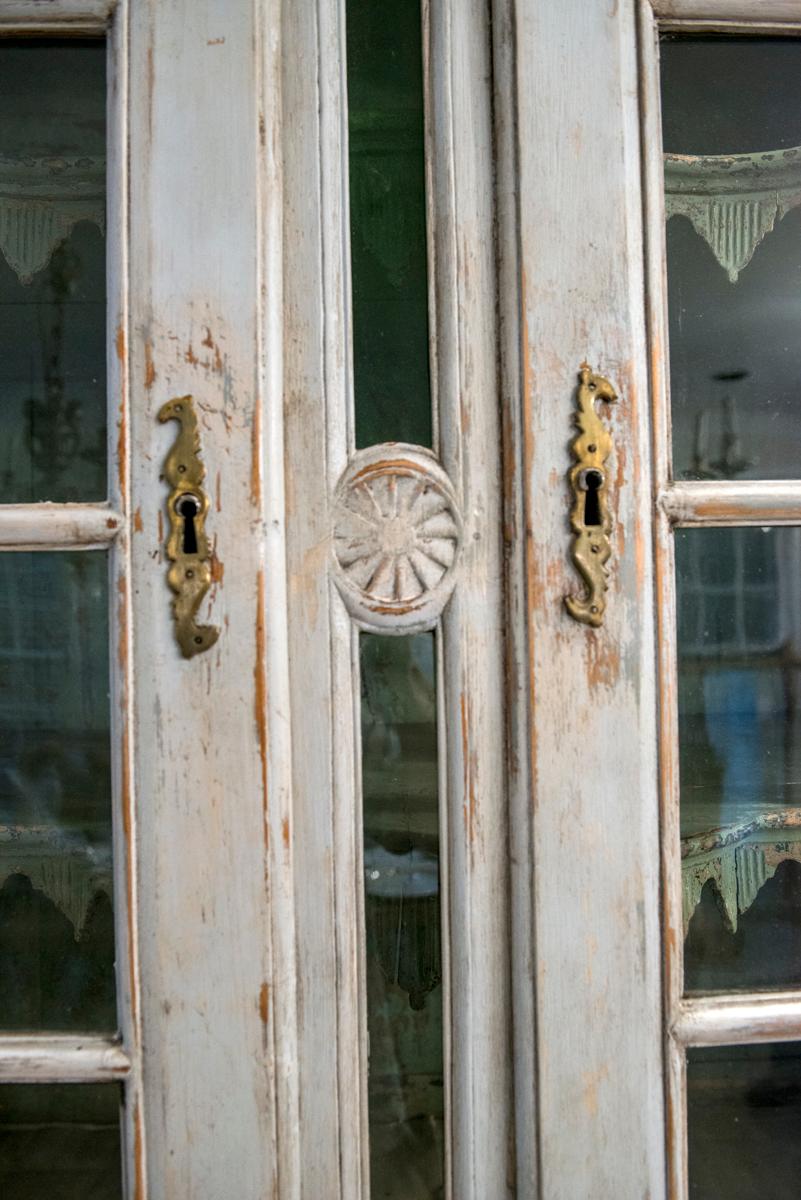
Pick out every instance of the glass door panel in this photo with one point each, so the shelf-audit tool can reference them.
(731, 135)
(731, 112)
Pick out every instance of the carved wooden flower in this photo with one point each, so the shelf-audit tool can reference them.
(396, 532)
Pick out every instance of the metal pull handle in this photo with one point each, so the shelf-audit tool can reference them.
(590, 518)
(189, 575)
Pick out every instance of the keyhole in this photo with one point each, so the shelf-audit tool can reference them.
(593, 482)
(188, 507)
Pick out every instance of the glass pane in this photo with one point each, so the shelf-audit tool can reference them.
(402, 912)
(739, 638)
(731, 111)
(56, 926)
(52, 271)
(60, 1142)
(388, 222)
(744, 1122)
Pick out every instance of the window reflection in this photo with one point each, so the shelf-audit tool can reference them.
(739, 594)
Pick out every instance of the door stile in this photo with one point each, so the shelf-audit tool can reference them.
(472, 624)
(517, 525)
(272, 690)
(121, 616)
(595, 884)
(322, 644)
(324, 635)
(209, 848)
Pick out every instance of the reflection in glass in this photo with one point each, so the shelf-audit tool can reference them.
(52, 271)
(60, 1141)
(744, 1121)
(56, 928)
(388, 222)
(733, 254)
(739, 645)
(403, 917)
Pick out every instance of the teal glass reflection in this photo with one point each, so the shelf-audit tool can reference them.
(403, 917)
(56, 920)
(388, 222)
(60, 1142)
(744, 1120)
(52, 270)
(739, 648)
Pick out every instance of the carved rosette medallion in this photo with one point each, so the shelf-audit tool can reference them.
(397, 533)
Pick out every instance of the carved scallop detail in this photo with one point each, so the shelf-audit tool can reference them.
(397, 533)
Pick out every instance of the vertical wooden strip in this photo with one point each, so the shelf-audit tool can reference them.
(593, 702)
(659, 359)
(516, 523)
(278, 993)
(121, 616)
(470, 439)
(208, 1076)
(323, 677)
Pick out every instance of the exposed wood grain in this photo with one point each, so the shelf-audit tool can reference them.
(62, 1060)
(481, 1122)
(517, 650)
(737, 1020)
(594, 878)
(322, 644)
(754, 11)
(665, 596)
(205, 872)
(58, 526)
(56, 16)
(732, 502)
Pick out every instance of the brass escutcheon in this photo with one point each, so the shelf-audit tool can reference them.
(590, 518)
(189, 575)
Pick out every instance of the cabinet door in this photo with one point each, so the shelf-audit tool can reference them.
(141, 811)
(655, 238)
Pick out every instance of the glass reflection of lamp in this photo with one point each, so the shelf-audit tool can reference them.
(732, 461)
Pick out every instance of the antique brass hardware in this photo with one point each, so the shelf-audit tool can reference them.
(590, 518)
(189, 575)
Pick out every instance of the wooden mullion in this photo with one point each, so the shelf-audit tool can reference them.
(744, 1019)
(58, 526)
(732, 502)
(62, 1059)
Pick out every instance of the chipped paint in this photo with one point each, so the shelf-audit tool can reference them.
(111, 523)
(137, 521)
(260, 701)
(255, 457)
(150, 367)
(264, 1003)
(217, 568)
(138, 1155)
(285, 832)
(218, 492)
(602, 658)
(190, 356)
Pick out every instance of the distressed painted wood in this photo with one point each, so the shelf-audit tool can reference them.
(322, 642)
(665, 597)
(210, 820)
(58, 526)
(594, 876)
(62, 1060)
(737, 1020)
(322, 638)
(481, 1123)
(746, 11)
(518, 691)
(732, 502)
(67, 16)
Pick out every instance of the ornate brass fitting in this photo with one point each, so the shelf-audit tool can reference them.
(189, 576)
(590, 518)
